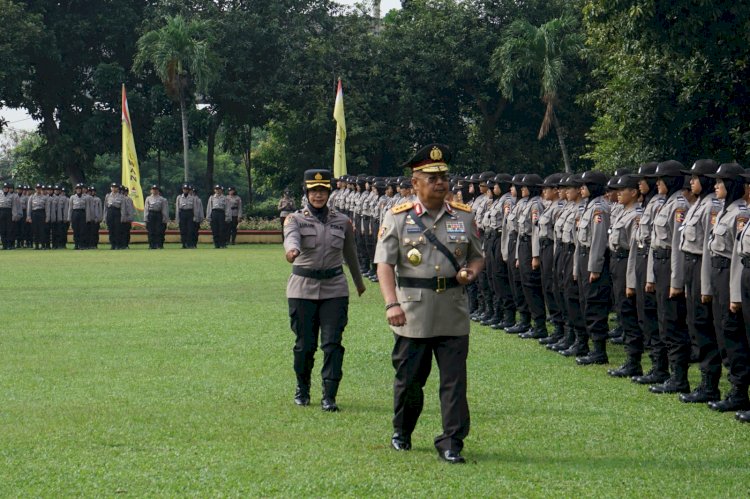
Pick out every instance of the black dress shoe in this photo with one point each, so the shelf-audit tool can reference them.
(743, 416)
(451, 457)
(592, 358)
(400, 442)
(573, 351)
(627, 370)
(652, 377)
(549, 340)
(329, 405)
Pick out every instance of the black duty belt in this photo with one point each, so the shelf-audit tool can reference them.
(499, 232)
(621, 253)
(583, 251)
(524, 238)
(545, 241)
(3, 209)
(720, 262)
(569, 247)
(79, 209)
(320, 274)
(746, 262)
(662, 254)
(692, 256)
(438, 284)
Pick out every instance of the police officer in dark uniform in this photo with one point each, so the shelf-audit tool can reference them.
(428, 250)
(317, 240)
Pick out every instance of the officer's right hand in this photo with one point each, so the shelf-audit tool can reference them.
(28, 220)
(629, 292)
(706, 299)
(395, 316)
(292, 255)
(518, 264)
(650, 287)
(735, 307)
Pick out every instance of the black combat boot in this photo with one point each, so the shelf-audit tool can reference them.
(631, 367)
(707, 391)
(743, 416)
(557, 335)
(677, 382)
(538, 332)
(579, 348)
(566, 341)
(330, 388)
(509, 320)
(519, 327)
(657, 374)
(597, 356)
(736, 400)
(302, 394)
(478, 312)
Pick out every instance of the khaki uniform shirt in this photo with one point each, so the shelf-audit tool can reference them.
(665, 234)
(219, 202)
(430, 313)
(641, 236)
(732, 221)
(322, 246)
(741, 250)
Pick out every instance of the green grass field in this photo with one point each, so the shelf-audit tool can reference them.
(143, 373)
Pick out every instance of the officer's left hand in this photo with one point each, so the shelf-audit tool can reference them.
(465, 276)
(535, 263)
(735, 307)
(518, 265)
(292, 255)
(594, 276)
(674, 292)
(361, 290)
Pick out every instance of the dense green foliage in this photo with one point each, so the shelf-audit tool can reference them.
(616, 82)
(169, 374)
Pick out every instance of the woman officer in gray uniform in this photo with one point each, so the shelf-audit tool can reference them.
(317, 240)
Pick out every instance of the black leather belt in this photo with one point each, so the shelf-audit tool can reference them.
(438, 284)
(569, 247)
(3, 209)
(499, 232)
(317, 273)
(524, 238)
(621, 253)
(545, 241)
(720, 262)
(692, 256)
(583, 251)
(662, 254)
(746, 262)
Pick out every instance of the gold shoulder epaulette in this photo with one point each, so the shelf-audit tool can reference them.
(402, 208)
(460, 206)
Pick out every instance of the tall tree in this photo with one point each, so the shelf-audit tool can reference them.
(181, 54)
(544, 52)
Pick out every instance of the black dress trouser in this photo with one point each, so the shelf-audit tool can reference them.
(78, 221)
(114, 225)
(187, 228)
(7, 227)
(500, 281)
(730, 328)
(595, 296)
(547, 262)
(700, 317)
(318, 319)
(672, 315)
(412, 360)
(218, 228)
(514, 277)
(531, 282)
(647, 314)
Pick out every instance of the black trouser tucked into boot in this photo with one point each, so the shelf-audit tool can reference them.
(218, 228)
(412, 359)
(618, 265)
(92, 234)
(501, 284)
(155, 229)
(531, 282)
(730, 327)
(647, 313)
(672, 312)
(114, 225)
(187, 228)
(7, 228)
(700, 318)
(596, 296)
(551, 298)
(318, 319)
(38, 226)
(514, 277)
(233, 229)
(78, 220)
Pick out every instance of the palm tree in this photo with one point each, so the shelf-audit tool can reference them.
(542, 52)
(180, 53)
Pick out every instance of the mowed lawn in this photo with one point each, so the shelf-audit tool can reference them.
(169, 373)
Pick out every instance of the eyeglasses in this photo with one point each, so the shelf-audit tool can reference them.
(434, 179)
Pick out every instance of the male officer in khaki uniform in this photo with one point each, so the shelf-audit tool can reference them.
(317, 240)
(427, 251)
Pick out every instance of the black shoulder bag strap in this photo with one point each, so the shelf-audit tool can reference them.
(434, 240)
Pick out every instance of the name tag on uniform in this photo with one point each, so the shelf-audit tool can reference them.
(455, 227)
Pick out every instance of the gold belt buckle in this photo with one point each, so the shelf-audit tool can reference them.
(440, 284)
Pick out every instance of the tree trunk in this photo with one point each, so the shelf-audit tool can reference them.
(185, 145)
(158, 168)
(246, 159)
(213, 128)
(561, 139)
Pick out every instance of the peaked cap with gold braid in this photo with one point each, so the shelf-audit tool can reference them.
(317, 178)
(432, 158)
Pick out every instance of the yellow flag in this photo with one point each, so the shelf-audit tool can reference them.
(339, 154)
(131, 176)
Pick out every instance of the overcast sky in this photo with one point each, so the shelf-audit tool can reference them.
(18, 118)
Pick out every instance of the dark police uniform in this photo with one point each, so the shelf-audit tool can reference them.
(426, 250)
(549, 254)
(317, 291)
(500, 278)
(38, 205)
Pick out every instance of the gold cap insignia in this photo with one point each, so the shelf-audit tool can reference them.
(436, 154)
(318, 176)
